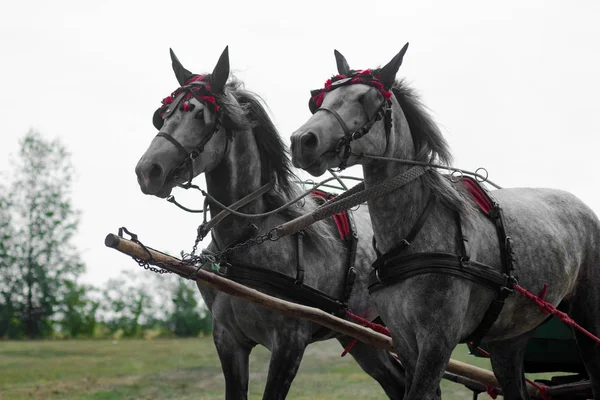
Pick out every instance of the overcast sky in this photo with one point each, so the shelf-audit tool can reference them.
(515, 87)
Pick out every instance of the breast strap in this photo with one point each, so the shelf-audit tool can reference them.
(395, 266)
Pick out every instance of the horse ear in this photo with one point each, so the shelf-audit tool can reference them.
(221, 72)
(388, 73)
(181, 73)
(342, 64)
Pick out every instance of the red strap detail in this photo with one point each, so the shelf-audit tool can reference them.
(548, 308)
(492, 391)
(349, 347)
(341, 219)
(361, 76)
(369, 324)
(478, 195)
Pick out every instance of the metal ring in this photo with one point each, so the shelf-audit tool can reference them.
(310, 182)
(377, 276)
(477, 174)
(456, 176)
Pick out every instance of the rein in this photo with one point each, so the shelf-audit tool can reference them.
(348, 199)
(457, 173)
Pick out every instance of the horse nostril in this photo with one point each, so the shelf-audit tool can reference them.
(155, 172)
(309, 141)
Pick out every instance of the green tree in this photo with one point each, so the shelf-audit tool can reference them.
(79, 311)
(37, 240)
(128, 306)
(186, 319)
(10, 285)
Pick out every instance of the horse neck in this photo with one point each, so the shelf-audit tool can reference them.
(238, 175)
(394, 214)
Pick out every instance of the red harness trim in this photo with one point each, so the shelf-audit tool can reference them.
(478, 195)
(365, 77)
(201, 92)
(341, 219)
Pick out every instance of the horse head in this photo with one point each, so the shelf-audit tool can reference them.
(350, 105)
(192, 126)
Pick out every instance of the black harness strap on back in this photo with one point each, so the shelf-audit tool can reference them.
(410, 237)
(299, 258)
(393, 266)
(352, 245)
(293, 288)
(267, 279)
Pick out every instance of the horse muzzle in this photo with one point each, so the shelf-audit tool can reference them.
(151, 178)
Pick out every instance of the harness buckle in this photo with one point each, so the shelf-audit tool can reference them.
(404, 243)
(377, 276)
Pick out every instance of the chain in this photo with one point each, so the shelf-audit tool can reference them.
(253, 241)
(191, 258)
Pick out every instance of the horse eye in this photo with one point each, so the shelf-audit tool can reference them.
(361, 98)
(200, 114)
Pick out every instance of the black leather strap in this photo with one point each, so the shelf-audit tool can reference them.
(399, 268)
(339, 119)
(352, 245)
(267, 279)
(299, 258)
(410, 237)
(184, 153)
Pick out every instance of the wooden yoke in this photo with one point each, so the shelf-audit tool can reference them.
(290, 309)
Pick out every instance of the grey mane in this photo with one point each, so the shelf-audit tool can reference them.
(275, 162)
(430, 147)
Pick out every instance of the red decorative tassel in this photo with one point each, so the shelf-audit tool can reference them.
(318, 99)
(186, 107)
(167, 100)
(210, 99)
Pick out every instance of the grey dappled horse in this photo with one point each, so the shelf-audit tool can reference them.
(555, 237)
(243, 154)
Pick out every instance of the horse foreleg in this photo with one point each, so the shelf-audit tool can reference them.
(429, 368)
(381, 365)
(283, 366)
(507, 363)
(234, 363)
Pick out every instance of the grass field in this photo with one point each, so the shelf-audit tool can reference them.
(175, 369)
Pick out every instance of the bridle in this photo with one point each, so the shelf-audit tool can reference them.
(199, 89)
(343, 150)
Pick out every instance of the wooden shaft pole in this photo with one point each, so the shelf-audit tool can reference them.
(204, 277)
(315, 315)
